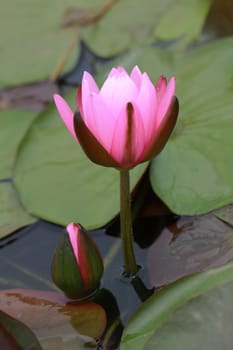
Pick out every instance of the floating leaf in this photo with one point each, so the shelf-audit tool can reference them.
(118, 30)
(14, 335)
(196, 159)
(183, 20)
(141, 330)
(12, 215)
(37, 25)
(13, 125)
(51, 34)
(57, 182)
(202, 323)
(190, 245)
(50, 315)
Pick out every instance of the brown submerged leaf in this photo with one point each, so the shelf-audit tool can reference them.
(52, 314)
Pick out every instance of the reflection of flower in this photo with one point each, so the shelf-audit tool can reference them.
(126, 122)
(77, 265)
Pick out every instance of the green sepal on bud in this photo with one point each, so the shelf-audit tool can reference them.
(77, 265)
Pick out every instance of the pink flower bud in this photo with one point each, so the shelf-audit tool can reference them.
(77, 266)
(126, 122)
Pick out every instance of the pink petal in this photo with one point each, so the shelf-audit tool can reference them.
(118, 91)
(119, 139)
(86, 94)
(165, 100)
(160, 87)
(88, 87)
(136, 76)
(66, 113)
(100, 120)
(147, 103)
(116, 71)
(73, 231)
(91, 82)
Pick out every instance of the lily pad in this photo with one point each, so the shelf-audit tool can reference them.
(12, 214)
(53, 31)
(183, 20)
(142, 329)
(37, 25)
(53, 318)
(57, 182)
(151, 19)
(198, 171)
(202, 323)
(13, 125)
(190, 245)
(118, 30)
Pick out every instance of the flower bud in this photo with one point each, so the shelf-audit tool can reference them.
(77, 265)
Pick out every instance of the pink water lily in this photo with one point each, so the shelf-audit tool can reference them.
(126, 122)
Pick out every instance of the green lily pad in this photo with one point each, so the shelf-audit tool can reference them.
(196, 160)
(37, 26)
(183, 20)
(13, 125)
(203, 323)
(151, 19)
(57, 182)
(128, 23)
(53, 26)
(12, 215)
(212, 312)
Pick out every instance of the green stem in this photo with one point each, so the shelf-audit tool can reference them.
(131, 267)
(142, 291)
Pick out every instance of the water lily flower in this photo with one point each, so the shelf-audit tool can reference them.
(77, 265)
(126, 122)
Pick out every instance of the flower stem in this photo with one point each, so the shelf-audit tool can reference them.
(131, 267)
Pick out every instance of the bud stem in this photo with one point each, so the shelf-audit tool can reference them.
(131, 267)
